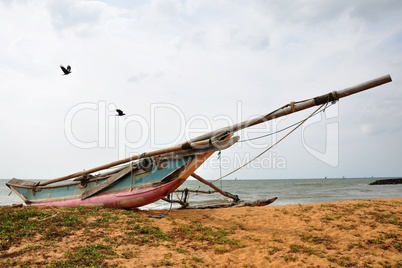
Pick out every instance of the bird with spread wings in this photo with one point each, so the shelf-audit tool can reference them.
(120, 112)
(67, 70)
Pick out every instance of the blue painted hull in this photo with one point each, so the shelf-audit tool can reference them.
(133, 189)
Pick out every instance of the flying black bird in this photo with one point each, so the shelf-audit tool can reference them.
(120, 112)
(67, 70)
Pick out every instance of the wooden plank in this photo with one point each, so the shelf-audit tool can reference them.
(257, 203)
(106, 183)
(22, 183)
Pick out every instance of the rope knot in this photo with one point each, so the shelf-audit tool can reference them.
(292, 107)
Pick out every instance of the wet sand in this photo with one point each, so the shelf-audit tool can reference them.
(361, 233)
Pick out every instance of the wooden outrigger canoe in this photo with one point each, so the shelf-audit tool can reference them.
(143, 179)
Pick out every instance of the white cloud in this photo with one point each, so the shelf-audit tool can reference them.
(68, 14)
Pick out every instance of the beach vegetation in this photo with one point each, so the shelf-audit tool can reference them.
(387, 240)
(17, 223)
(100, 237)
(306, 208)
(398, 246)
(276, 239)
(347, 261)
(296, 248)
(285, 212)
(85, 256)
(331, 217)
(166, 263)
(331, 258)
(182, 250)
(376, 241)
(197, 259)
(325, 240)
(368, 264)
(387, 264)
(32, 247)
(129, 254)
(272, 250)
(152, 231)
(331, 207)
(105, 219)
(289, 257)
(9, 263)
(221, 249)
(252, 238)
(134, 218)
(355, 245)
(391, 235)
(248, 265)
(362, 205)
(386, 218)
(347, 227)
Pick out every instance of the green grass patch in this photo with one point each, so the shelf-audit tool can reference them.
(151, 231)
(386, 218)
(197, 259)
(272, 250)
(86, 256)
(325, 240)
(17, 223)
(296, 248)
(166, 263)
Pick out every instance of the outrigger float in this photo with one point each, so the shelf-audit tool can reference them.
(142, 179)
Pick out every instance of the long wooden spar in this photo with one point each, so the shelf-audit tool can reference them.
(212, 138)
(299, 106)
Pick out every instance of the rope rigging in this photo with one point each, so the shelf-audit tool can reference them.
(183, 200)
(325, 105)
(161, 216)
(283, 129)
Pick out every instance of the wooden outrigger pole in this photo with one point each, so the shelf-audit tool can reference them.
(227, 194)
(218, 139)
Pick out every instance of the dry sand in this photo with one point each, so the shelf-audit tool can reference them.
(362, 233)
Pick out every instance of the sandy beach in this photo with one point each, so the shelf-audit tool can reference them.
(362, 233)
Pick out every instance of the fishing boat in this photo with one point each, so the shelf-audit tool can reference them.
(142, 179)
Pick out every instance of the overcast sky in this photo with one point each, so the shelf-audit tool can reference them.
(182, 68)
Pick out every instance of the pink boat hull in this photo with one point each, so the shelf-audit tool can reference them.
(127, 199)
(131, 198)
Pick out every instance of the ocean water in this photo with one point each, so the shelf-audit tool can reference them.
(288, 191)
